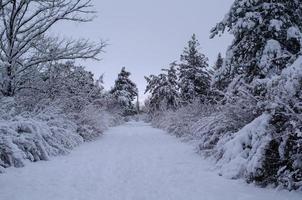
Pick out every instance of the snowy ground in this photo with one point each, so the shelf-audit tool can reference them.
(130, 162)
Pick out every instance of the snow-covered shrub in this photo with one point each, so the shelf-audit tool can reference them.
(47, 131)
(35, 139)
(178, 122)
(243, 152)
(9, 107)
(53, 126)
(206, 123)
(93, 120)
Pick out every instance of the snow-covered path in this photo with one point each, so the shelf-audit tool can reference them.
(130, 162)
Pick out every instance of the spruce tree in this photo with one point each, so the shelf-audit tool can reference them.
(125, 92)
(193, 73)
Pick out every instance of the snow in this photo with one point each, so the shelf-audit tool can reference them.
(294, 32)
(271, 51)
(292, 76)
(243, 154)
(48, 131)
(32, 139)
(275, 25)
(130, 162)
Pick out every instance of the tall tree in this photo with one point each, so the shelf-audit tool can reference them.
(164, 90)
(24, 43)
(125, 92)
(264, 62)
(193, 73)
(267, 37)
(218, 81)
(219, 62)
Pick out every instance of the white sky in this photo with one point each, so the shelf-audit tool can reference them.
(147, 35)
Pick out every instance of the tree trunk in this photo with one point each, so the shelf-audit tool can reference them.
(7, 89)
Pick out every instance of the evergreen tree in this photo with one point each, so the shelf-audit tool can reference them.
(193, 74)
(164, 90)
(259, 63)
(218, 81)
(219, 62)
(125, 92)
(267, 37)
(172, 87)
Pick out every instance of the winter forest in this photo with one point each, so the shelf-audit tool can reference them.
(202, 129)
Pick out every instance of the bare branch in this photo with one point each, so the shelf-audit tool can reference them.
(23, 35)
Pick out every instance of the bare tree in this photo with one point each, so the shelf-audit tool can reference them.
(24, 43)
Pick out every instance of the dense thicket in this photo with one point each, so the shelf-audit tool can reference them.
(253, 128)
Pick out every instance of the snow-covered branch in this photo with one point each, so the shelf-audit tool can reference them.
(23, 36)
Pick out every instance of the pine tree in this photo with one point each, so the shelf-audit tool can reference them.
(267, 37)
(125, 92)
(259, 63)
(164, 90)
(172, 88)
(218, 81)
(219, 62)
(193, 74)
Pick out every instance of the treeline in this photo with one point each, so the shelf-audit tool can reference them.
(245, 111)
(48, 103)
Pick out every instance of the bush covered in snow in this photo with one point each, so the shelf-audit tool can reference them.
(35, 139)
(48, 131)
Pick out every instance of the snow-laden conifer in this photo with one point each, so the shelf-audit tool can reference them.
(125, 91)
(193, 73)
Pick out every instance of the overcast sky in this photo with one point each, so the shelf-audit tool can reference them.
(147, 35)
